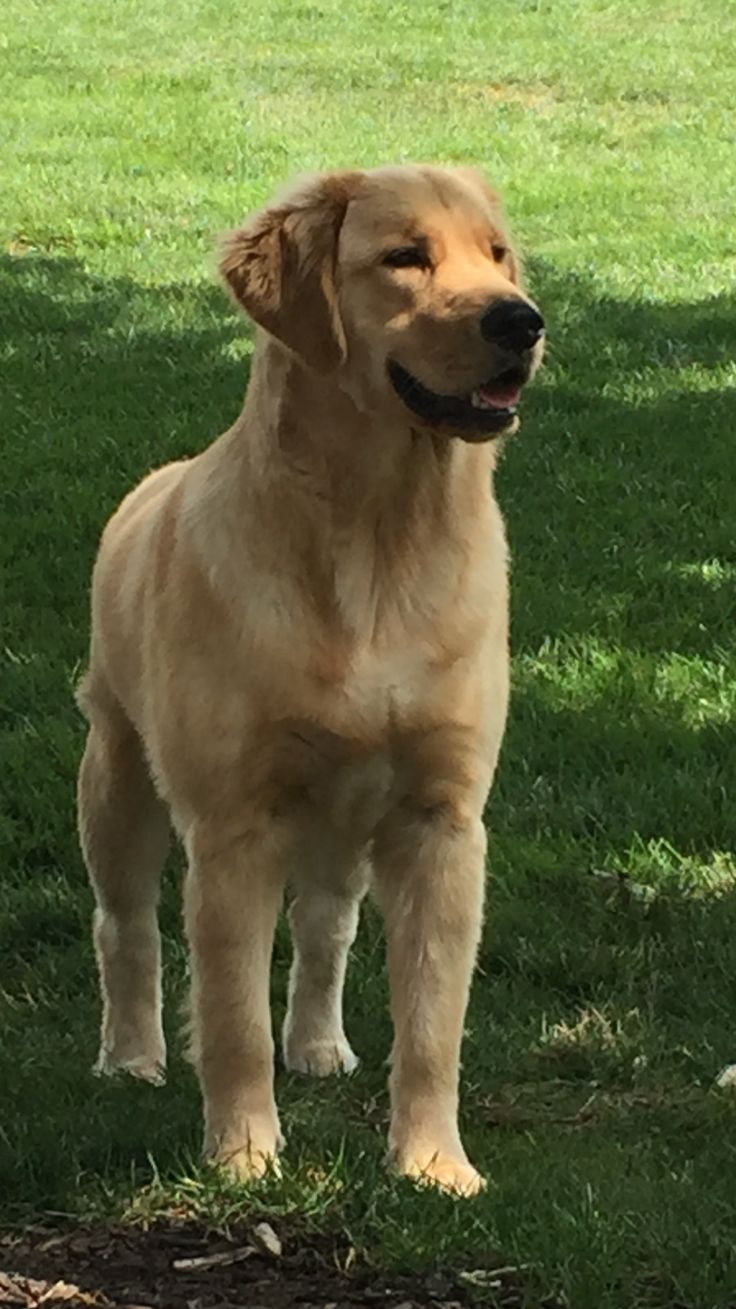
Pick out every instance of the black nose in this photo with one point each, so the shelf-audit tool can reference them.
(512, 323)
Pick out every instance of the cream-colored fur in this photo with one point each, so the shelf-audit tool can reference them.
(299, 657)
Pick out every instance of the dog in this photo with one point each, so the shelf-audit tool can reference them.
(299, 659)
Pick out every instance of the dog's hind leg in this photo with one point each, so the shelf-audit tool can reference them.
(324, 921)
(124, 832)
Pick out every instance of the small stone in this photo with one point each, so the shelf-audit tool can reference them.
(726, 1079)
(264, 1234)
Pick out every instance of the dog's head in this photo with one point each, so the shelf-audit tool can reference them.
(403, 282)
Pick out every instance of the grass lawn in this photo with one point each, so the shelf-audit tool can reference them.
(602, 1012)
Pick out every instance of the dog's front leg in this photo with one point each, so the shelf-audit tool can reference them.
(429, 878)
(233, 893)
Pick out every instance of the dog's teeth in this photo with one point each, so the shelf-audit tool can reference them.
(478, 402)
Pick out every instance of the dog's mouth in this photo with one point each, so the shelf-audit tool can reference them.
(483, 413)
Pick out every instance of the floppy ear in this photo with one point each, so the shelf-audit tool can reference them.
(281, 268)
(475, 178)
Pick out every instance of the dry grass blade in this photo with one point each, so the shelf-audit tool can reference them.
(217, 1260)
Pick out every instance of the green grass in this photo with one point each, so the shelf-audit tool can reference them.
(599, 1020)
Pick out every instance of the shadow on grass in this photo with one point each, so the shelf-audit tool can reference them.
(616, 499)
(616, 494)
(103, 380)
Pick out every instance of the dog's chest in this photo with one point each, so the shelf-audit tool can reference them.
(401, 636)
(372, 734)
(394, 660)
(382, 688)
(393, 688)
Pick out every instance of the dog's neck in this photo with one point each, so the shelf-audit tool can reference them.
(357, 502)
(303, 435)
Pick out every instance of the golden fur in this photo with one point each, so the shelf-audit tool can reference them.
(299, 658)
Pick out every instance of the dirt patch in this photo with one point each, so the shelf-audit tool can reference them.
(186, 1267)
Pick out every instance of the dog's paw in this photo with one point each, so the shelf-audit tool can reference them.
(254, 1158)
(449, 1172)
(145, 1067)
(247, 1165)
(319, 1058)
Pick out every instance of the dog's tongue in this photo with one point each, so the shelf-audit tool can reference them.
(500, 397)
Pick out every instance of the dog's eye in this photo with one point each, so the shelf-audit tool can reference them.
(499, 252)
(408, 256)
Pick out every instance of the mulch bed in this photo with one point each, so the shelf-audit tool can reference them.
(183, 1266)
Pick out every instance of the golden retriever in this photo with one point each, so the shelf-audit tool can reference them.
(299, 658)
